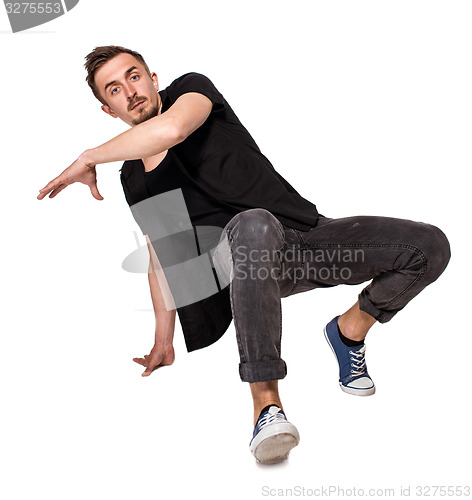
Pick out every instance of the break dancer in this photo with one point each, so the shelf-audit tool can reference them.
(187, 139)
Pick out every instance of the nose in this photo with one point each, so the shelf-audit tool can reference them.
(131, 93)
(129, 90)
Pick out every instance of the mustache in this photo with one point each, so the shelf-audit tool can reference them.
(133, 103)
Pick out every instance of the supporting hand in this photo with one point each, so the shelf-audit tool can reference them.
(159, 356)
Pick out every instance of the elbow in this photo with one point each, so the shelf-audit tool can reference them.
(175, 133)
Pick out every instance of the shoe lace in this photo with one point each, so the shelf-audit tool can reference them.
(358, 362)
(269, 418)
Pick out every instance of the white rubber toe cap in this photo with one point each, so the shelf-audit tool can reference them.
(362, 386)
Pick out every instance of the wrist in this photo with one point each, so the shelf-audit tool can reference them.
(163, 341)
(165, 347)
(87, 157)
(166, 351)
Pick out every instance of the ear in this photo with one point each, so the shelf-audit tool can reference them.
(109, 111)
(155, 81)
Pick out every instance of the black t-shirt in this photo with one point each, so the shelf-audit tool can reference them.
(203, 209)
(223, 158)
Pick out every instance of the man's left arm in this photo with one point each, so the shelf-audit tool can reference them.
(149, 138)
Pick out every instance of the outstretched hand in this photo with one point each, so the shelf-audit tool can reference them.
(159, 356)
(80, 171)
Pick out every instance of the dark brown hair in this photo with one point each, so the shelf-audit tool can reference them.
(101, 55)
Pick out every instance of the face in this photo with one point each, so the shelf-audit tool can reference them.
(129, 92)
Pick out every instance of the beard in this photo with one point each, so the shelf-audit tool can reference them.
(146, 114)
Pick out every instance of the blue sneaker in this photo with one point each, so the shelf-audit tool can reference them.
(353, 375)
(273, 437)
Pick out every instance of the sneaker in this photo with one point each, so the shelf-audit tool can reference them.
(353, 375)
(273, 437)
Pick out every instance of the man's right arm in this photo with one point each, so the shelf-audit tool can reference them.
(146, 139)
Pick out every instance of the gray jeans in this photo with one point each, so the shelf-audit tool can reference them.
(266, 261)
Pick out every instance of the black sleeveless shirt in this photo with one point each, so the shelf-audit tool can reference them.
(202, 208)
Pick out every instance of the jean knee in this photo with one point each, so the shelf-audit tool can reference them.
(258, 225)
(436, 248)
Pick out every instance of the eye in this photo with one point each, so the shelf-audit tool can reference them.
(137, 76)
(113, 90)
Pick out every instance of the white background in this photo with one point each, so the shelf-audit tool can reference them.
(365, 108)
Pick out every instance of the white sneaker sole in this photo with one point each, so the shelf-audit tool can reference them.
(349, 390)
(273, 443)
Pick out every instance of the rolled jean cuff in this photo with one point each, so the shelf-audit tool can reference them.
(366, 305)
(263, 371)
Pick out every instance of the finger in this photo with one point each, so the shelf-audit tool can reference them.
(151, 367)
(57, 191)
(49, 187)
(141, 361)
(44, 192)
(95, 192)
(148, 371)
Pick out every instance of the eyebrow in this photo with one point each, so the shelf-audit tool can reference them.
(127, 72)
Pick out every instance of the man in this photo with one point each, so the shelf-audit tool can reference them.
(186, 139)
